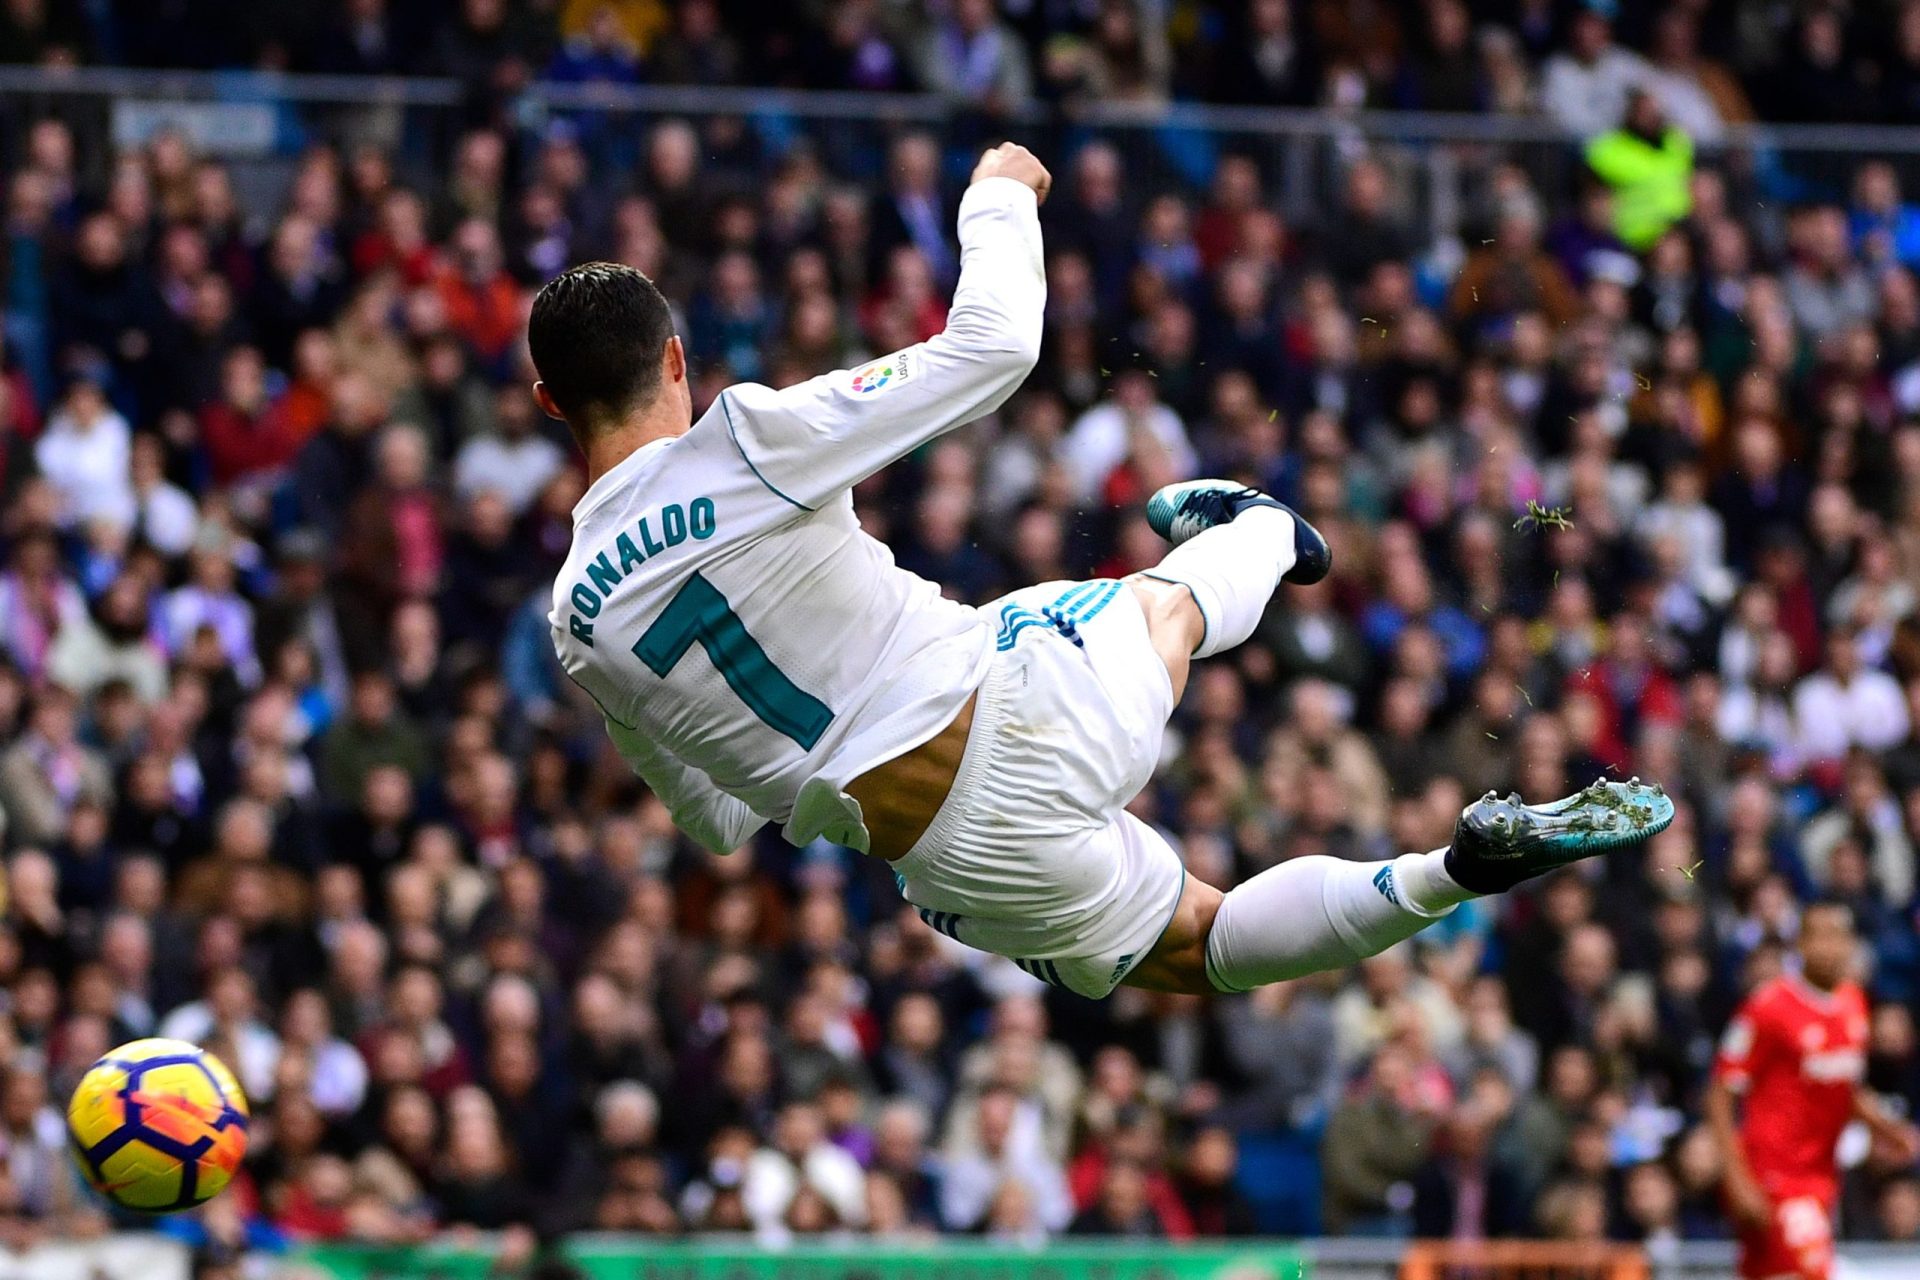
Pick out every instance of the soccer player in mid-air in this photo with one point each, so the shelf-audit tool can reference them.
(1796, 1055)
(759, 658)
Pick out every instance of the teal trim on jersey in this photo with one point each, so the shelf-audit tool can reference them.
(1012, 625)
(698, 612)
(735, 437)
(1043, 970)
(1049, 972)
(1070, 599)
(1086, 600)
(1091, 609)
(1077, 604)
(942, 922)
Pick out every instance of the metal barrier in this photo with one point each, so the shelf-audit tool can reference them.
(1443, 164)
(700, 100)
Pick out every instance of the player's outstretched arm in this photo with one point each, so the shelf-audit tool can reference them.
(1900, 1135)
(714, 819)
(812, 441)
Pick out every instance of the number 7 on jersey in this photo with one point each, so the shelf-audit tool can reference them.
(698, 612)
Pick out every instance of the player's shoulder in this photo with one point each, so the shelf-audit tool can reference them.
(1769, 999)
(740, 406)
(746, 403)
(1790, 1000)
(738, 398)
(1767, 1016)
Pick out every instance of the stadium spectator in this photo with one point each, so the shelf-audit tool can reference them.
(1006, 1153)
(975, 61)
(1648, 162)
(1376, 1142)
(1701, 96)
(1267, 60)
(1586, 87)
(1466, 1191)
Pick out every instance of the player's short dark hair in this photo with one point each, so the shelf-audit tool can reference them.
(595, 335)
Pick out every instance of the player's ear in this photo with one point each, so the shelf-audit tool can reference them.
(544, 398)
(673, 362)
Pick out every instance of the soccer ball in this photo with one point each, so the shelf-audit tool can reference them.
(158, 1126)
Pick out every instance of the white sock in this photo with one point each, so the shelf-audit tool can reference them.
(1233, 569)
(1315, 913)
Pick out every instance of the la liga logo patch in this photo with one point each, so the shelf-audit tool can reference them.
(881, 374)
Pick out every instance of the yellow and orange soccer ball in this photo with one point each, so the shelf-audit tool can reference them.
(158, 1126)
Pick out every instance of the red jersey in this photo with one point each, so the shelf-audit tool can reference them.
(1795, 1054)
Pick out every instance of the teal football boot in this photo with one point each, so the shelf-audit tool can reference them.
(1499, 843)
(1178, 511)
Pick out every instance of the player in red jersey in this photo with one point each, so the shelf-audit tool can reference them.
(1795, 1054)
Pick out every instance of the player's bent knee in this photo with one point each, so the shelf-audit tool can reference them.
(1178, 962)
(1175, 625)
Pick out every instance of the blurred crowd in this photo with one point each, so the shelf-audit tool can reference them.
(1627, 481)
(1716, 62)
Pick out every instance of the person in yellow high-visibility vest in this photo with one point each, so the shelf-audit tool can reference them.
(1648, 163)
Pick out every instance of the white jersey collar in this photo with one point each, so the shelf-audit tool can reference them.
(1822, 1001)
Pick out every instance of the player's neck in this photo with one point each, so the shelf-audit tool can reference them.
(1821, 992)
(610, 446)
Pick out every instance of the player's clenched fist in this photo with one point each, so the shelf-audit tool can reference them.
(1011, 160)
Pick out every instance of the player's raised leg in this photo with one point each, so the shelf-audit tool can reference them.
(1316, 913)
(1233, 547)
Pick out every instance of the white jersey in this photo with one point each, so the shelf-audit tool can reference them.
(752, 649)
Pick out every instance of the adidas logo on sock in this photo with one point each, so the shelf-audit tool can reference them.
(1388, 889)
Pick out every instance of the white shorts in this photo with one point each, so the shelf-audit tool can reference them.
(1032, 856)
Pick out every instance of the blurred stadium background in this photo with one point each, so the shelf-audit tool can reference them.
(1590, 332)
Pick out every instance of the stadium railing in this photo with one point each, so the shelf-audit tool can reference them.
(1440, 162)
